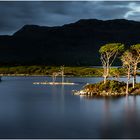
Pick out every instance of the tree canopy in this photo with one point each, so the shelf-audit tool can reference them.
(135, 49)
(127, 58)
(108, 54)
(111, 47)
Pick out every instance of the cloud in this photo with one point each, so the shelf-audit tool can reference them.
(15, 14)
(134, 11)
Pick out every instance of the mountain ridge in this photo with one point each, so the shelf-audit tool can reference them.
(70, 44)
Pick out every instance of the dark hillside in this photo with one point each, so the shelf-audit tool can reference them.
(72, 44)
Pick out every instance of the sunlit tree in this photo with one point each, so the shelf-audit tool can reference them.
(108, 54)
(126, 59)
(135, 49)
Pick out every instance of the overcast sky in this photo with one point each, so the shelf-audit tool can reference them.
(13, 15)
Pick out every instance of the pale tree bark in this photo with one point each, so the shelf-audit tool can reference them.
(105, 79)
(104, 63)
(108, 68)
(127, 62)
(105, 59)
(135, 49)
(128, 79)
(108, 54)
(134, 74)
(62, 73)
(104, 74)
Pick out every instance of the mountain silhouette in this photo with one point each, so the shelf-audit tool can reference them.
(75, 44)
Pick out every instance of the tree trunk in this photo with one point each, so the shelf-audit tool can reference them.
(135, 73)
(133, 82)
(128, 78)
(105, 74)
(62, 77)
(127, 86)
(105, 78)
(107, 69)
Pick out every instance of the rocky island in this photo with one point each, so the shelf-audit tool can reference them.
(111, 88)
(130, 60)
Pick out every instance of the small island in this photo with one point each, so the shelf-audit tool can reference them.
(108, 88)
(111, 88)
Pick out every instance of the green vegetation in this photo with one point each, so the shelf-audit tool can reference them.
(108, 54)
(135, 49)
(48, 70)
(130, 60)
(111, 88)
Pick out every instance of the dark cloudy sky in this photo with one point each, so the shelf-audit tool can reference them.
(15, 14)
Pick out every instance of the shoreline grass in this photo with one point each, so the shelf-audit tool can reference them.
(36, 70)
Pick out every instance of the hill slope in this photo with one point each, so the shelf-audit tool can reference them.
(72, 44)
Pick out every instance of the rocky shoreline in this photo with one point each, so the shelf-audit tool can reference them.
(111, 89)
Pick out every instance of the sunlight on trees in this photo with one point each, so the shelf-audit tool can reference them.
(135, 49)
(126, 59)
(108, 54)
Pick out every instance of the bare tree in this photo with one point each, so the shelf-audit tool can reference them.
(62, 73)
(108, 54)
(135, 49)
(127, 63)
(55, 74)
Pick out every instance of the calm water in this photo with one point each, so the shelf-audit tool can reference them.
(44, 111)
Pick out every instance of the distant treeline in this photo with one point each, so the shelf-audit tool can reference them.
(48, 70)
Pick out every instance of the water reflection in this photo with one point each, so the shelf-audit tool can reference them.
(62, 97)
(120, 117)
(126, 124)
(43, 111)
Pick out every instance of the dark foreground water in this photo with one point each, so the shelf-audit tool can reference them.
(45, 111)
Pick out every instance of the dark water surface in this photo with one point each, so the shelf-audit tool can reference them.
(45, 111)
